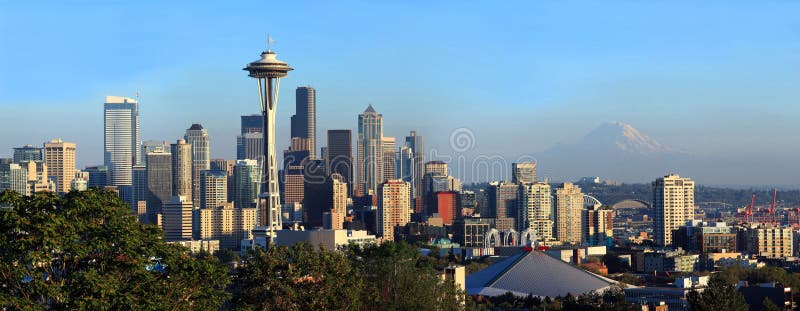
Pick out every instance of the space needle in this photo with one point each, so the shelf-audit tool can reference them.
(268, 72)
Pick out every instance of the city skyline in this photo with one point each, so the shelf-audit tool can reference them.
(662, 66)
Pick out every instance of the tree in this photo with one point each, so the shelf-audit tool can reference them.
(297, 278)
(86, 251)
(767, 305)
(719, 295)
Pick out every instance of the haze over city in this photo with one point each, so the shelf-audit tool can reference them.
(717, 81)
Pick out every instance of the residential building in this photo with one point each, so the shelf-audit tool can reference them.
(59, 156)
(523, 172)
(176, 219)
(598, 226)
(389, 158)
(227, 224)
(328, 239)
(213, 188)
(394, 208)
(673, 203)
(769, 241)
(247, 177)
(181, 168)
(569, 205)
(535, 209)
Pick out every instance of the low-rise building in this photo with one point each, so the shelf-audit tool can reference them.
(328, 239)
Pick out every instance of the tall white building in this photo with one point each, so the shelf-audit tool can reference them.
(121, 138)
(673, 202)
(535, 209)
(177, 219)
(369, 151)
(197, 136)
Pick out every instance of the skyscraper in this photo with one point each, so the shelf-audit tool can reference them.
(268, 71)
(569, 206)
(673, 202)
(323, 194)
(26, 153)
(181, 169)
(159, 183)
(339, 158)
(416, 144)
(389, 159)
(177, 219)
(304, 123)
(523, 172)
(535, 208)
(247, 176)
(197, 136)
(293, 180)
(369, 151)
(253, 123)
(249, 146)
(122, 141)
(60, 159)
(394, 208)
(213, 188)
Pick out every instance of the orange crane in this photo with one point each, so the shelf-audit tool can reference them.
(749, 211)
(772, 207)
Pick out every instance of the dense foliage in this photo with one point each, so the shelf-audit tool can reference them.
(720, 295)
(612, 299)
(86, 251)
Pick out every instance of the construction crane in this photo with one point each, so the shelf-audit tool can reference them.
(772, 207)
(749, 212)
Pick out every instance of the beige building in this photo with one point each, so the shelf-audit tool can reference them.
(227, 224)
(59, 156)
(389, 158)
(394, 207)
(769, 241)
(176, 219)
(569, 205)
(673, 202)
(37, 179)
(339, 194)
(523, 172)
(534, 207)
(181, 168)
(213, 188)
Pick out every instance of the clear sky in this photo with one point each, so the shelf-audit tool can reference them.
(710, 77)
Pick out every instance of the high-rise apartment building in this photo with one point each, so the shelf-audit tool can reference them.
(535, 209)
(213, 188)
(598, 226)
(523, 172)
(60, 159)
(769, 241)
(227, 224)
(339, 157)
(177, 219)
(501, 199)
(304, 123)
(159, 183)
(27, 153)
(369, 151)
(122, 142)
(569, 207)
(181, 168)
(389, 158)
(394, 208)
(197, 137)
(673, 202)
(247, 177)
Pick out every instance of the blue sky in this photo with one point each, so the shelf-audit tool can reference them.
(715, 78)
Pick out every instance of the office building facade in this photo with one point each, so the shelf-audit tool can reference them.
(121, 142)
